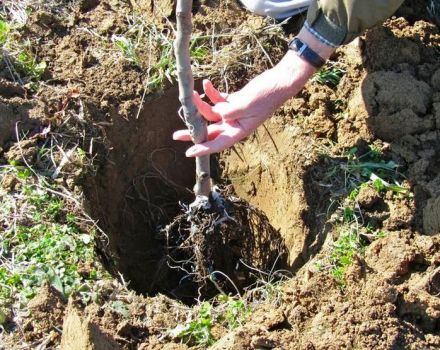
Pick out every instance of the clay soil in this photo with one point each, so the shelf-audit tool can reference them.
(389, 96)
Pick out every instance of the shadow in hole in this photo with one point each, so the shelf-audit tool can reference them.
(136, 193)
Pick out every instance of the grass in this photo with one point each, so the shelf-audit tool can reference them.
(354, 234)
(371, 169)
(43, 240)
(198, 330)
(329, 75)
(341, 257)
(18, 55)
(4, 31)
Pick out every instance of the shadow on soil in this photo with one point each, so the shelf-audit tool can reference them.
(142, 186)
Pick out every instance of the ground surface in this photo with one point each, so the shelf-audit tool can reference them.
(347, 173)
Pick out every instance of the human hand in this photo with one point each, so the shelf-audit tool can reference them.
(237, 115)
(233, 117)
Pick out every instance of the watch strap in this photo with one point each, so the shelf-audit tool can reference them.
(304, 51)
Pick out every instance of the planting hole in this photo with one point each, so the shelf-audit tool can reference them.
(140, 189)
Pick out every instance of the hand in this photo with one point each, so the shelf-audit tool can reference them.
(233, 118)
(237, 115)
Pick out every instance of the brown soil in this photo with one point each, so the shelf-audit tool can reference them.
(391, 96)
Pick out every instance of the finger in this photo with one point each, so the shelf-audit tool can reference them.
(182, 135)
(214, 95)
(213, 131)
(205, 109)
(227, 111)
(220, 143)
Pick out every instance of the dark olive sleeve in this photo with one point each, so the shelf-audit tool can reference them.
(338, 22)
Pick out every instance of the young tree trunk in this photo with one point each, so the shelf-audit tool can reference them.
(193, 119)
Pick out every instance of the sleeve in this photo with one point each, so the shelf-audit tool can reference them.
(337, 22)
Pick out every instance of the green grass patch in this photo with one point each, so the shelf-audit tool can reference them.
(369, 169)
(4, 31)
(341, 257)
(42, 240)
(128, 48)
(230, 312)
(18, 55)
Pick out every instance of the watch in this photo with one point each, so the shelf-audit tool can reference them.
(304, 51)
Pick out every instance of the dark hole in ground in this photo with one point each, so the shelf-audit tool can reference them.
(137, 192)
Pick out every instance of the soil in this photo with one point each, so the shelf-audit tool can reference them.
(390, 96)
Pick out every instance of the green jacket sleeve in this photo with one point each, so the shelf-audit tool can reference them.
(338, 22)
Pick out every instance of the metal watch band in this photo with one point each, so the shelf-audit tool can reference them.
(304, 51)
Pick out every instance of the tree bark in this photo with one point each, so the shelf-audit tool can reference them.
(194, 121)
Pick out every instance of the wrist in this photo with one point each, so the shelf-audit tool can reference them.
(319, 47)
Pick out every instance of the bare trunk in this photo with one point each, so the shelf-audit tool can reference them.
(193, 119)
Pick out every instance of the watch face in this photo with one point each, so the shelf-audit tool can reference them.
(298, 45)
(305, 52)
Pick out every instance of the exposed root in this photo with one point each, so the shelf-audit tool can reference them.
(210, 246)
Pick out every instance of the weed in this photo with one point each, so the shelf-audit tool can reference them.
(29, 66)
(119, 307)
(41, 242)
(4, 31)
(19, 57)
(127, 47)
(230, 312)
(344, 249)
(235, 311)
(366, 170)
(329, 75)
(371, 169)
(197, 330)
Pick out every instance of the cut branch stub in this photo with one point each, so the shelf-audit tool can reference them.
(194, 121)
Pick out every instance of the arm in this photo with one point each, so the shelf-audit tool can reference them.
(237, 115)
(329, 24)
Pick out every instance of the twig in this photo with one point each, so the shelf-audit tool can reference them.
(195, 123)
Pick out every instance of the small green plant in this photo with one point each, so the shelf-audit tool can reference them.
(230, 312)
(127, 47)
(329, 75)
(4, 31)
(344, 249)
(197, 330)
(360, 171)
(19, 53)
(235, 311)
(41, 242)
(371, 169)
(27, 64)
